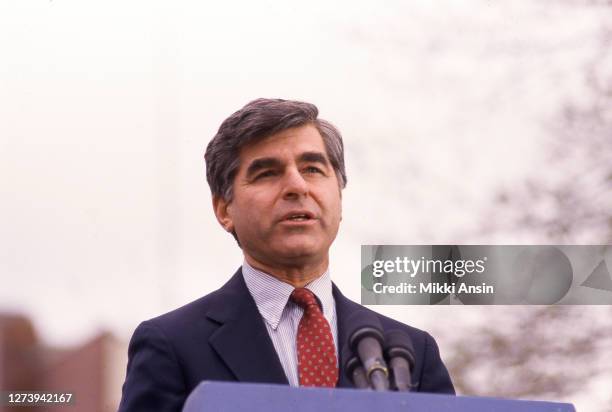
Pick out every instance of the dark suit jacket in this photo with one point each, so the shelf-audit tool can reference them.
(222, 337)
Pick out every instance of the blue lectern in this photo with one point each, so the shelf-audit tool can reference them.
(239, 397)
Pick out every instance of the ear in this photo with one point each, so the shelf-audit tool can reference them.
(220, 207)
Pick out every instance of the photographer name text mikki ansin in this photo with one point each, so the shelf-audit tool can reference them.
(433, 288)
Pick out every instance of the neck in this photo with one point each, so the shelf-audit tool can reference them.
(298, 275)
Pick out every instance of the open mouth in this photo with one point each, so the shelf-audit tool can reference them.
(298, 218)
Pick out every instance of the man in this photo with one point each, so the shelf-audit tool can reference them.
(276, 174)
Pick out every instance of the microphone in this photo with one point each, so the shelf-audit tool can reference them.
(356, 373)
(353, 369)
(400, 353)
(366, 339)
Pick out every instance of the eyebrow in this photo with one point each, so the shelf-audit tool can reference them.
(273, 162)
(314, 157)
(262, 163)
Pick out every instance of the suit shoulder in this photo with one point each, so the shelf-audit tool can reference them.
(189, 315)
(213, 306)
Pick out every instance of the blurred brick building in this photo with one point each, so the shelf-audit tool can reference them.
(93, 371)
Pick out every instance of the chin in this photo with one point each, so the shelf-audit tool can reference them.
(298, 250)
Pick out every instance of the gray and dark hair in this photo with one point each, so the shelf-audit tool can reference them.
(256, 121)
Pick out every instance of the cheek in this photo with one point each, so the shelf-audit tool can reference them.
(245, 218)
(337, 201)
(338, 216)
(248, 215)
(334, 208)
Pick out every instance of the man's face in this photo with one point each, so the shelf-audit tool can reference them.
(287, 206)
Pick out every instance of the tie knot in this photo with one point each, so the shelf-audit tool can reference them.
(304, 298)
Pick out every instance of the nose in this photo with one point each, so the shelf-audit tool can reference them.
(294, 184)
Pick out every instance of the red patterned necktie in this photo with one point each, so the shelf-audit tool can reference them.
(317, 362)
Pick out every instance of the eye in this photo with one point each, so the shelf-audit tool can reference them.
(313, 169)
(264, 174)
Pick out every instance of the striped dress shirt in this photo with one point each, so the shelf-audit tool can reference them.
(282, 316)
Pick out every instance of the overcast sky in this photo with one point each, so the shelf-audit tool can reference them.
(107, 106)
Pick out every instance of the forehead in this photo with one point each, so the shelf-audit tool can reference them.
(286, 143)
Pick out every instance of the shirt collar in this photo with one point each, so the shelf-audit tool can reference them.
(271, 295)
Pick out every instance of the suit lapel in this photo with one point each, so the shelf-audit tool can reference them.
(344, 307)
(242, 340)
